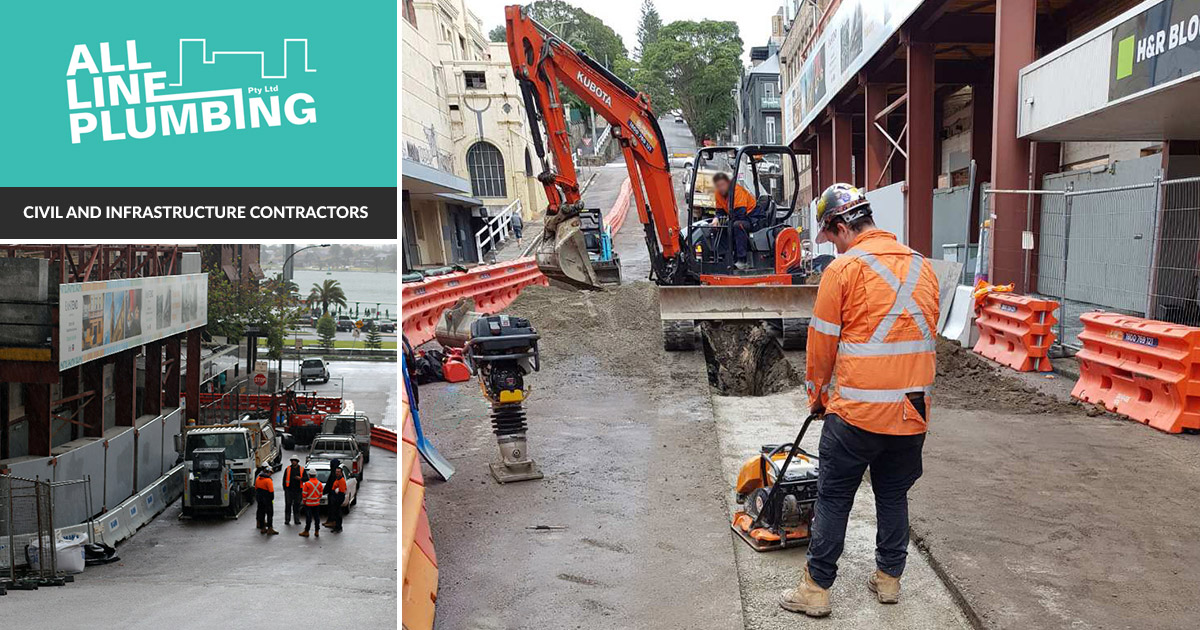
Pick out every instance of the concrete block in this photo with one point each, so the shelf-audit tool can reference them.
(25, 280)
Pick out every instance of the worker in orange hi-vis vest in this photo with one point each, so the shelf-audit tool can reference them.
(311, 490)
(871, 355)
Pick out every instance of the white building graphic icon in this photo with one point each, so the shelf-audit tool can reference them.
(210, 58)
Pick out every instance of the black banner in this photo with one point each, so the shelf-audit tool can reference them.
(166, 214)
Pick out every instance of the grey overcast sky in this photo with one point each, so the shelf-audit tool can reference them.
(752, 16)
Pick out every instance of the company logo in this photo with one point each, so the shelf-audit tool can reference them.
(123, 97)
(593, 88)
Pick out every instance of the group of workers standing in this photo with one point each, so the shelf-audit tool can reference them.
(302, 492)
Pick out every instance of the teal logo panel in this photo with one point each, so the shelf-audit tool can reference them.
(142, 93)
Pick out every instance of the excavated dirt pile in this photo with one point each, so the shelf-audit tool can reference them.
(745, 359)
(969, 381)
(618, 326)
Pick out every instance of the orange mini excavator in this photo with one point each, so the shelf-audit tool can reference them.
(692, 261)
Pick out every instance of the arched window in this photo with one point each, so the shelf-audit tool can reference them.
(486, 166)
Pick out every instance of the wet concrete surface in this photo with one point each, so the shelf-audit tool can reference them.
(746, 423)
(215, 573)
(631, 475)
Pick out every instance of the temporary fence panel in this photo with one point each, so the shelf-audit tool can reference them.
(171, 428)
(26, 518)
(118, 466)
(889, 209)
(951, 213)
(80, 459)
(149, 452)
(1111, 215)
(1175, 281)
(1144, 369)
(1016, 331)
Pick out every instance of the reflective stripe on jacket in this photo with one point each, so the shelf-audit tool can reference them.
(312, 491)
(874, 327)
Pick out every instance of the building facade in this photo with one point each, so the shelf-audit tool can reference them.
(464, 135)
(761, 119)
(490, 133)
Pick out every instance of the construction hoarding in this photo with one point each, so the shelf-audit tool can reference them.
(97, 319)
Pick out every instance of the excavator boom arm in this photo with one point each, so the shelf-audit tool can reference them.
(542, 62)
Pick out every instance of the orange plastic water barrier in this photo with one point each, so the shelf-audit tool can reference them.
(1017, 331)
(418, 560)
(615, 217)
(1141, 368)
(492, 286)
(383, 438)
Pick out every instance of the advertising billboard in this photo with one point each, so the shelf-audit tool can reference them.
(97, 319)
(856, 31)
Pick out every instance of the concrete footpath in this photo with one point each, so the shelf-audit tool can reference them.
(743, 425)
(631, 478)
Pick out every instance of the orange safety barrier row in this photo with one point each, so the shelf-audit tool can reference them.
(493, 287)
(1016, 330)
(418, 560)
(1141, 368)
(383, 438)
(615, 217)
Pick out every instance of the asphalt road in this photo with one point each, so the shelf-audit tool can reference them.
(370, 384)
(218, 573)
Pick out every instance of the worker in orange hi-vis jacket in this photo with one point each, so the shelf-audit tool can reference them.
(871, 355)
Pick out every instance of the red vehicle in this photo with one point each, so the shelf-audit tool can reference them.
(298, 415)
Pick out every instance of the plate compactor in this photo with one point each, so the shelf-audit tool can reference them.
(777, 490)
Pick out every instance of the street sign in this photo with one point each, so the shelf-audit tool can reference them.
(260, 379)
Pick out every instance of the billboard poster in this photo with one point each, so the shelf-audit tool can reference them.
(858, 29)
(97, 319)
(1156, 46)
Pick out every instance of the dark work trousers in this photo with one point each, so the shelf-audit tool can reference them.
(742, 225)
(265, 517)
(335, 509)
(312, 517)
(846, 452)
(292, 503)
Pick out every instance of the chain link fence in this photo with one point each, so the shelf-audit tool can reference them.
(1131, 249)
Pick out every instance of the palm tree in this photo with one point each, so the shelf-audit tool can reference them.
(328, 292)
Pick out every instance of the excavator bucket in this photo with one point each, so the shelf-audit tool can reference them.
(563, 254)
(785, 308)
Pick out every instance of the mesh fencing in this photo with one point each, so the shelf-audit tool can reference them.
(1131, 249)
(26, 519)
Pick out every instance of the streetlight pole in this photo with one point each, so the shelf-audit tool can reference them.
(287, 277)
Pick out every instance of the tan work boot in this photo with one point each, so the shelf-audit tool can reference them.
(304, 533)
(271, 531)
(807, 598)
(885, 587)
